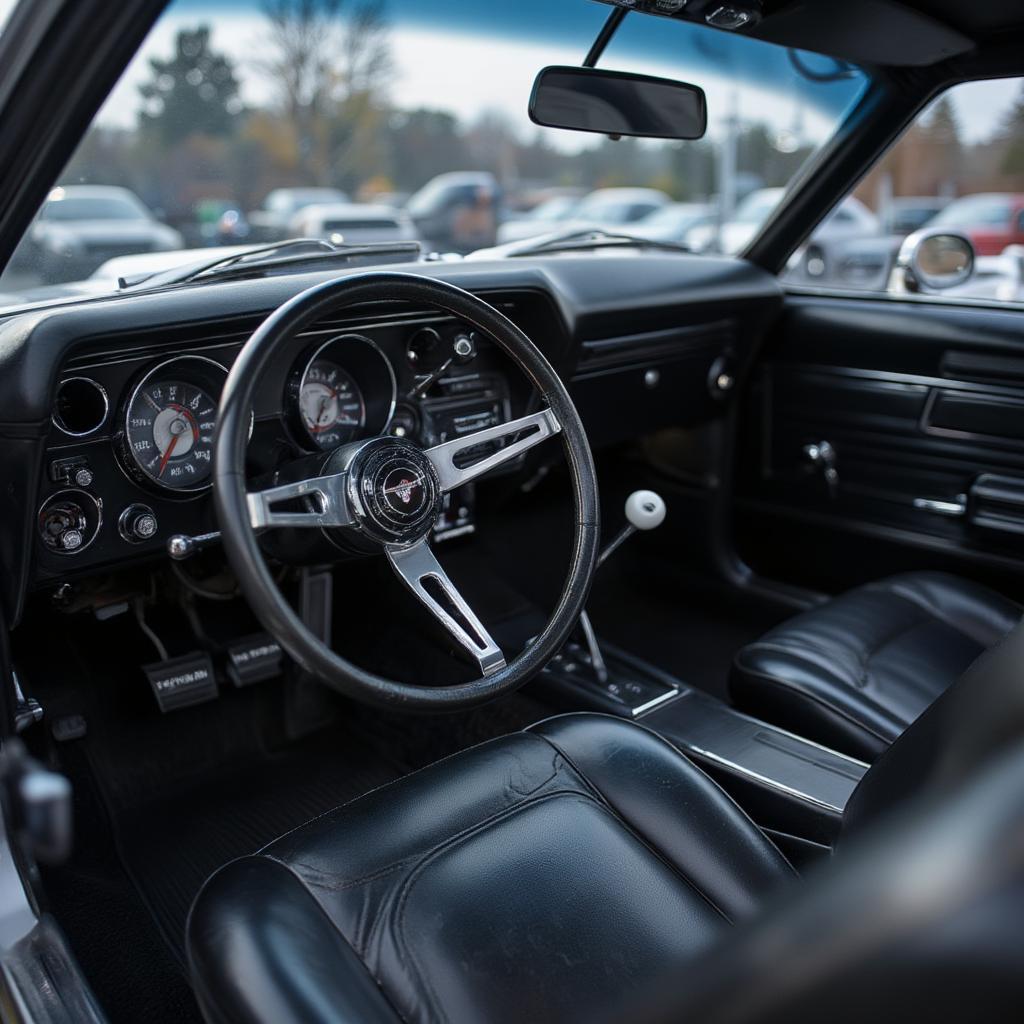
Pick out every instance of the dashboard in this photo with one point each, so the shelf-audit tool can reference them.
(108, 407)
(129, 452)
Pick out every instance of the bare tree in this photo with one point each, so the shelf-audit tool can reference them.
(330, 60)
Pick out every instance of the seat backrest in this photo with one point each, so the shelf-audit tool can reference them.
(970, 723)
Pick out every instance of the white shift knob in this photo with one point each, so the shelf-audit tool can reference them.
(645, 510)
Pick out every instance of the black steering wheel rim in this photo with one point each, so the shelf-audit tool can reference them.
(240, 539)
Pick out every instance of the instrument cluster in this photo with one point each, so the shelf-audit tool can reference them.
(131, 447)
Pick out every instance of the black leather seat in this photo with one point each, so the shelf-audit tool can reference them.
(533, 878)
(585, 870)
(853, 673)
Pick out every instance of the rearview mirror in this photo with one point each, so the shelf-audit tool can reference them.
(618, 103)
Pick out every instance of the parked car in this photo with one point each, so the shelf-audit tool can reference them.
(991, 220)
(615, 208)
(903, 215)
(82, 226)
(851, 218)
(353, 223)
(270, 222)
(457, 211)
(543, 218)
(673, 222)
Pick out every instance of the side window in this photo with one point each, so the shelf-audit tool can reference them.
(958, 170)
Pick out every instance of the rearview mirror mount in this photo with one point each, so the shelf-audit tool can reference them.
(618, 103)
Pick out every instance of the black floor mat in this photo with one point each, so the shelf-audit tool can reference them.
(171, 847)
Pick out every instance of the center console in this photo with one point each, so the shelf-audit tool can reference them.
(794, 789)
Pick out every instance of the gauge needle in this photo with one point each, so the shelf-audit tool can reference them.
(189, 421)
(167, 454)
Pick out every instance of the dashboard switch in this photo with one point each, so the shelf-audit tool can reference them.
(72, 471)
(137, 524)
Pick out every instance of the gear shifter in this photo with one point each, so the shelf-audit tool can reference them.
(645, 510)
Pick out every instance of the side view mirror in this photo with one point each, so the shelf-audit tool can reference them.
(931, 260)
(618, 103)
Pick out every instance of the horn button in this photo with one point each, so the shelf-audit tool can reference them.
(394, 491)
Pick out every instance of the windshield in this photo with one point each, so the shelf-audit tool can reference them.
(992, 210)
(756, 208)
(237, 114)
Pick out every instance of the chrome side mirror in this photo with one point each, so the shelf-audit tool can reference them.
(932, 260)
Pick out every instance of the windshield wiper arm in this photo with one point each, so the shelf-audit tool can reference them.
(279, 254)
(587, 238)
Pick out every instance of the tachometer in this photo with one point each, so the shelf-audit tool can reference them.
(343, 390)
(331, 404)
(169, 423)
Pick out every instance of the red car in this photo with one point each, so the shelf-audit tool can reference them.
(992, 220)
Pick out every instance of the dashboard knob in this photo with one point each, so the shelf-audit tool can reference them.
(464, 347)
(65, 524)
(137, 524)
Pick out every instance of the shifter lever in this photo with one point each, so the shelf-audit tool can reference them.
(645, 510)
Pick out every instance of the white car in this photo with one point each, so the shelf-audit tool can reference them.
(541, 220)
(82, 226)
(270, 222)
(353, 223)
(616, 209)
(672, 223)
(849, 219)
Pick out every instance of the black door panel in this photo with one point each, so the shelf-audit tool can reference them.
(923, 406)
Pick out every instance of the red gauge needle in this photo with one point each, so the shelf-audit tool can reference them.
(188, 419)
(167, 454)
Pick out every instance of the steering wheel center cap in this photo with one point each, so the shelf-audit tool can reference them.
(394, 491)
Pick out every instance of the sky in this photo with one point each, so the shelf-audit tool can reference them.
(470, 55)
(469, 61)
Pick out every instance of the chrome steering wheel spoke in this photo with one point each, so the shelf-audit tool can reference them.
(534, 428)
(421, 572)
(326, 495)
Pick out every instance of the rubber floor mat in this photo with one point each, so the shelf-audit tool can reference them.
(169, 848)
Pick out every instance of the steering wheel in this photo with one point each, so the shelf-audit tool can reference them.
(387, 492)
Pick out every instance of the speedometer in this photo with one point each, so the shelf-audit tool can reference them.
(169, 424)
(331, 404)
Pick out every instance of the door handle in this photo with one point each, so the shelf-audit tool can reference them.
(939, 507)
(821, 456)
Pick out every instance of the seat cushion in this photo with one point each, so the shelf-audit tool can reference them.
(535, 877)
(854, 672)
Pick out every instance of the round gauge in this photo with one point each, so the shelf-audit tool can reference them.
(344, 390)
(169, 424)
(331, 404)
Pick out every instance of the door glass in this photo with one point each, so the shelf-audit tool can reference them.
(958, 171)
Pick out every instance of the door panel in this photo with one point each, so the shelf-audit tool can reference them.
(923, 407)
